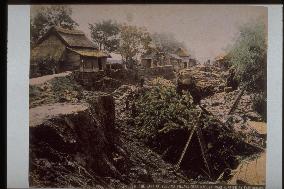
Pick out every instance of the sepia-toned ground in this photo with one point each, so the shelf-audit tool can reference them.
(46, 78)
(56, 96)
(251, 171)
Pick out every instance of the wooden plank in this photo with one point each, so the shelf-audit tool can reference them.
(233, 107)
(187, 144)
(203, 150)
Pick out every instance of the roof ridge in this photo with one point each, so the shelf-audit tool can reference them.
(182, 52)
(68, 31)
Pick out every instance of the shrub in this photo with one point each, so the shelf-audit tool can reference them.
(60, 89)
(249, 56)
(161, 109)
(47, 66)
(260, 104)
(66, 88)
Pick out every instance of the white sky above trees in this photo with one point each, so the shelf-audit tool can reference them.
(206, 30)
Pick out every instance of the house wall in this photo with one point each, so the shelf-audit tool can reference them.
(71, 61)
(52, 47)
(192, 62)
(104, 61)
(177, 64)
(92, 64)
(166, 72)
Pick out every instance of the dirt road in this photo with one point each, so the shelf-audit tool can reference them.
(43, 79)
(42, 113)
(251, 171)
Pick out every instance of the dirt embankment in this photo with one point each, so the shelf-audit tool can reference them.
(76, 145)
(224, 149)
(85, 138)
(44, 79)
(87, 145)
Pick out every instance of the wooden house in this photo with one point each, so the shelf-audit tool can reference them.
(175, 61)
(153, 59)
(222, 61)
(148, 60)
(115, 62)
(179, 60)
(68, 50)
(185, 57)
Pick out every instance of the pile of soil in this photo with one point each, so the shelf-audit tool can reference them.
(219, 104)
(209, 79)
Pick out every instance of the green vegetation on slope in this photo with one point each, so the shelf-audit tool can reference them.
(61, 89)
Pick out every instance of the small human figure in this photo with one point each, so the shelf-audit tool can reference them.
(141, 82)
(231, 80)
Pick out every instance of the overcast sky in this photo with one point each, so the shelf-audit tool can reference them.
(205, 29)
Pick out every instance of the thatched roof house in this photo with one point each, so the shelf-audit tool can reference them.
(181, 52)
(182, 59)
(222, 61)
(69, 49)
(154, 58)
(147, 60)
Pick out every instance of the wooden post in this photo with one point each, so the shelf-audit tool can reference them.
(185, 148)
(203, 150)
(187, 144)
(82, 61)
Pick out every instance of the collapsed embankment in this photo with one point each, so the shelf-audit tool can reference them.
(167, 121)
(75, 145)
(79, 144)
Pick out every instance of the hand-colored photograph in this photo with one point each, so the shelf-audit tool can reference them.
(147, 96)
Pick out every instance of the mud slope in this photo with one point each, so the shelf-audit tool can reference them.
(76, 145)
(86, 146)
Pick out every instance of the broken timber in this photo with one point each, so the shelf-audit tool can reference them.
(202, 146)
(203, 150)
(185, 148)
(236, 101)
(219, 121)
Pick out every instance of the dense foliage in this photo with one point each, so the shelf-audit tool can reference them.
(47, 66)
(54, 15)
(161, 109)
(166, 42)
(249, 56)
(260, 104)
(105, 35)
(133, 42)
(60, 89)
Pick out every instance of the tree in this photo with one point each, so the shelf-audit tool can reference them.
(105, 35)
(54, 15)
(166, 42)
(133, 42)
(248, 56)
